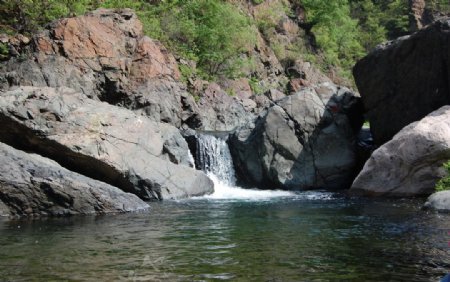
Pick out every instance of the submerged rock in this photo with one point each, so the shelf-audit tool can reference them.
(101, 141)
(31, 185)
(404, 80)
(439, 201)
(411, 163)
(304, 141)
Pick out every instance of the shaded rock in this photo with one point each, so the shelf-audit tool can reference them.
(101, 141)
(411, 163)
(105, 55)
(31, 185)
(439, 201)
(404, 80)
(303, 141)
(175, 147)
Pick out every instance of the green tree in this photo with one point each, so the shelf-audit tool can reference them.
(336, 33)
(211, 32)
(444, 183)
(369, 15)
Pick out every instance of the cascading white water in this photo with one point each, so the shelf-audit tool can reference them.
(213, 157)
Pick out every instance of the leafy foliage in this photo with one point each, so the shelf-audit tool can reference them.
(216, 33)
(26, 16)
(335, 31)
(444, 183)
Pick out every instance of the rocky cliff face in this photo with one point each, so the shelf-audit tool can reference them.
(105, 56)
(404, 80)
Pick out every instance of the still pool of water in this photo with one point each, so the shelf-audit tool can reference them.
(311, 236)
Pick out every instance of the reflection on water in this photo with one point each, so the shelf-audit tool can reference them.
(310, 236)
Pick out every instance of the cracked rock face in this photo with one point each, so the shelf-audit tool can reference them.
(31, 185)
(411, 163)
(101, 141)
(304, 141)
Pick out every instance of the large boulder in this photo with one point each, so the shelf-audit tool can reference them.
(439, 201)
(304, 141)
(105, 55)
(31, 185)
(411, 163)
(101, 141)
(404, 80)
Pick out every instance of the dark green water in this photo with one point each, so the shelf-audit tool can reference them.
(308, 237)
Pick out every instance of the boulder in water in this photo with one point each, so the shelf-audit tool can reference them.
(411, 163)
(439, 201)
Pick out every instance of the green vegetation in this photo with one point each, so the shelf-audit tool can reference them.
(345, 30)
(444, 183)
(439, 5)
(256, 86)
(218, 36)
(26, 16)
(336, 33)
(211, 33)
(4, 52)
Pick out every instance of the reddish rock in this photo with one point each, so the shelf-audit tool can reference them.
(105, 55)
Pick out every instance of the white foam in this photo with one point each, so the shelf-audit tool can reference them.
(226, 192)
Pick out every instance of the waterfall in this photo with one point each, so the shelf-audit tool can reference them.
(213, 157)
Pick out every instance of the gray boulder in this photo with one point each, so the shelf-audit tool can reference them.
(411, 163)
(31, 185)
(404, 80)
(218, 111)
(439, 201)
(101, 141)
(304, 141)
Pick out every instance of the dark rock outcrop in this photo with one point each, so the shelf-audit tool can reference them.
(411, 163)
(31, 185)
(101, 141)
(304, 141)
(404, 80)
